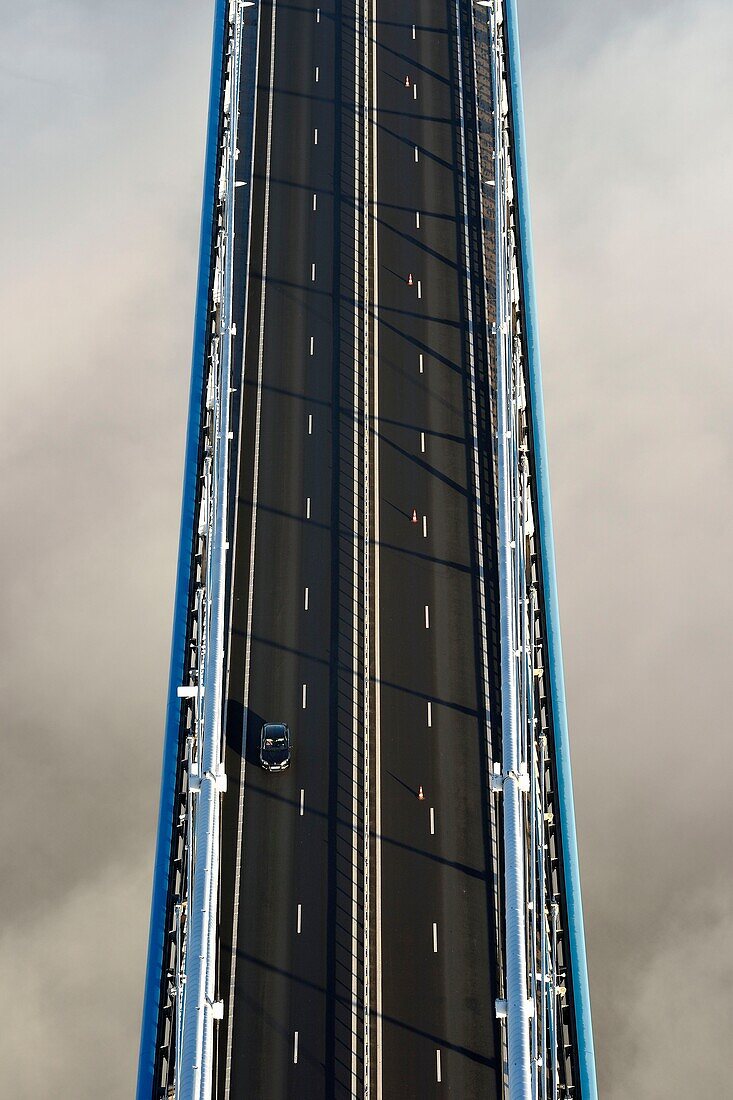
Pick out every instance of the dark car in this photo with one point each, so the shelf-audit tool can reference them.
(275, 746)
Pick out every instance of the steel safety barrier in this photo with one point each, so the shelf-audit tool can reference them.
(544, 1006)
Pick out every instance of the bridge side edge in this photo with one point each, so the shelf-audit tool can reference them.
(161, 866)
(576, 933)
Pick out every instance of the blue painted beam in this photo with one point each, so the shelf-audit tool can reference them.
(181, 609)
(575, 931)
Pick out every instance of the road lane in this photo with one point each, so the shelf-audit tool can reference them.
(438, 1023)
(294, 913)
(281, 976)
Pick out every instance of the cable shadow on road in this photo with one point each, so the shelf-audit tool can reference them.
(440, 1041)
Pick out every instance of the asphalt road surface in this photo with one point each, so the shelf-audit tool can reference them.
(362, 580)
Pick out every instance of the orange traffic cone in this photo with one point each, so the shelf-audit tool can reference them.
(407, 82)
(421, 793)
(409, 279)
(414, 515)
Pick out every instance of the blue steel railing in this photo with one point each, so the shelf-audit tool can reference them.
(155, 977)
(544, 957)
(573, 901)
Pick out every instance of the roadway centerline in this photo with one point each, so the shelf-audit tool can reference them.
(435, 935)
(432, 821)
(430, 713)
(299, 918)
(295, 1048)
(310, 423)
(306, 600)
(438, 1067)
(359, 728)
(302, 800)
(427, 617)
(305, 695)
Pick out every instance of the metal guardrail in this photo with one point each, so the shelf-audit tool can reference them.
(157, 1038)
(196, 969)
(180, 1007)
(546, 1010)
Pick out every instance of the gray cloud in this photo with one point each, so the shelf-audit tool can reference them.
(103, 108)
(103, 114)
(631, 158)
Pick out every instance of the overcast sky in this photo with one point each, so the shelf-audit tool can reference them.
(102, 110)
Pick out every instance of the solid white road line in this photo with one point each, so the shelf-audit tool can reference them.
(315, 136)
(430, 713)
(422, 442)
(307, 507)
(377, 977)
(312, 345)
(255, 483)
(427, 617)
(419, 288)
(356, 672)
(305, 691)
(414, 91)
(432, 821)
(435, 935)
(425, 527)
(306, 599)
(416, 155)
(317, 74)
(295, 1049)
(310, 423)
(438, 1067)
(300, 913)
(315, 200)
(302, 800)
(422, 363)
(417, 219)
(313, 273)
